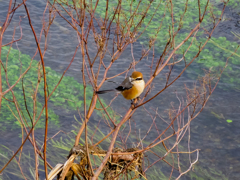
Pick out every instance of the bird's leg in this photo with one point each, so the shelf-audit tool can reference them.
(132, 102)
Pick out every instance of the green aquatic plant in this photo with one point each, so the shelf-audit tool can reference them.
(214, 56)
(200, 173)
(158, 27)
(158, 24)
(158, 18)
(67, 96)
(233, 4)
(14, 168)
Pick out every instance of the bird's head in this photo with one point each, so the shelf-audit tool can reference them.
(136, 76)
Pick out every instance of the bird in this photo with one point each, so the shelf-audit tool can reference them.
(130, 88)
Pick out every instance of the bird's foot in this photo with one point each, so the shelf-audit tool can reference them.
(134, 103)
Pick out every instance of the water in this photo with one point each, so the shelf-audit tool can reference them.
(217, 139)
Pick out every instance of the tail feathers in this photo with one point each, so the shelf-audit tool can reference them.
(105, 91)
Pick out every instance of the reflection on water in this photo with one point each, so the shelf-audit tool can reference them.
(217, 139)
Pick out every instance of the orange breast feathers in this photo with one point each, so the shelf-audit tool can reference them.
(135, 91)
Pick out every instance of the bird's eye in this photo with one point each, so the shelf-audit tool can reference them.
(138, 79)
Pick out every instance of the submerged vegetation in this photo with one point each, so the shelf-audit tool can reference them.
(171, 33)
(214, 54)
(67, 96)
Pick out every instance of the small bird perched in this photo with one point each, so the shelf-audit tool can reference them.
(131, 87)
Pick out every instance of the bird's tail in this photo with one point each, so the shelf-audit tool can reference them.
(105, 91)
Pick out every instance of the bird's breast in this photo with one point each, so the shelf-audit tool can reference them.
(135, 91)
